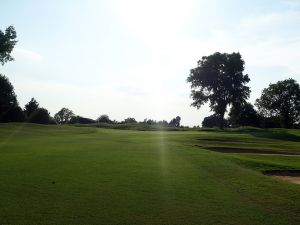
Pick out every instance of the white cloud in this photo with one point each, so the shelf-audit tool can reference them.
(27, 54)
(266, 19)
(274, 52)
(131, 90)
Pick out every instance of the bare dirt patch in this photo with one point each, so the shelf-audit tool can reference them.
(287, 175)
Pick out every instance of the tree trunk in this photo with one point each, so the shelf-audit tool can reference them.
(286, 122)
(222, 120)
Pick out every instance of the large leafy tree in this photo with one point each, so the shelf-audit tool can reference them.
(9, 109)
(219, 80)
(281, 99)
(64, 115)
(7, 44)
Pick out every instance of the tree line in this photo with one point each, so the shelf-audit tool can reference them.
(218, 79)
(33, 113)
(10, 111)
(66, 116)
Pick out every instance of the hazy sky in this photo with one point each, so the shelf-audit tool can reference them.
(132, 57)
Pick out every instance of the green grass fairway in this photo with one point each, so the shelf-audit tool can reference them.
(82, 175)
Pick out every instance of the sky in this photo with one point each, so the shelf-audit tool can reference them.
(131, 58)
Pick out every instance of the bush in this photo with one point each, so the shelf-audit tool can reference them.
(130, 120)
(213, 121)
(81, 120)
(104, 119)
(270, 122)
(14, 114)
(41, 116)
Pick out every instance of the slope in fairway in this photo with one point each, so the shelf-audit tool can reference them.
(70, 175)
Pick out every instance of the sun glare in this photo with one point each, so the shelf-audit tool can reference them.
(153, 19)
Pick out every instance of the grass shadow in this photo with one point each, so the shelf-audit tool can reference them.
(277, 134)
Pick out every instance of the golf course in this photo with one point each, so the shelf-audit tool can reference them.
(86, 175)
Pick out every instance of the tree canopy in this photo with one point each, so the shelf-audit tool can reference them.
(7, 93)
(243, 115)
(130, 120)
(63, 116)
(8, 101)
(104, 119)
(219, 80)
(175, 121)
(41, 115)
(281, 99)
(35, 114)
(7, 44)
(81, 120)
(213, 121)
(31, 108)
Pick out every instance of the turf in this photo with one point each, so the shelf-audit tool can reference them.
(82, 175)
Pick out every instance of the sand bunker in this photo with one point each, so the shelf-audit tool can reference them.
(287, 175)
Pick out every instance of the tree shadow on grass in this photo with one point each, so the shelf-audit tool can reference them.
(277, 134)
(284, 136)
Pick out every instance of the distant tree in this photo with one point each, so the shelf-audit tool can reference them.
(115, 122)
(163, 123)
(63, 116)
(31, 108)
(81, 120)
(51, 120)
(15, 114)
(219, 79)
(213, 121)
(35, 114)
(175, 121)
(7, 44)
(104, 119)
(282, 100)
(149, 121)
(243, 115)
(8, 98)
(130, 120)
(41, 115)
(270, 122)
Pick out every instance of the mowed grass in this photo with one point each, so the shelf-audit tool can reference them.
(81, 175)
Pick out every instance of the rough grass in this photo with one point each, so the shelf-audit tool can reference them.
(84, 175)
